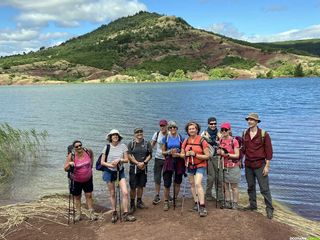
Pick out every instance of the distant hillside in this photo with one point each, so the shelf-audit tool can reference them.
(150, 45)
(305, 47)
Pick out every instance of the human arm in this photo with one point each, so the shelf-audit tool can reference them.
(68, 163)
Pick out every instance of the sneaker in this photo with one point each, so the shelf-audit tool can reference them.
(132, 208)
(195, 207)
(166, 206)
(77, 217)
(170, 199)
(235, 205)
(141, 205)
(92, 215)
(156, 200)
(126, 217)
(203, 212)
(228, 205)
(114, 217)
(250, 208)
(269, 213)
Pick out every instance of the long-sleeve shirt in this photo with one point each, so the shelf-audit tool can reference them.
(257, 150)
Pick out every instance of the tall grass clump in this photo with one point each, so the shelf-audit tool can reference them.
(17, 146)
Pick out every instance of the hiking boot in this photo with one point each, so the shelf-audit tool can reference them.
(132, 208)
(77, 217)
(92, 215)
(195, 207)
(269, 213)
(228, 205)
(203, 212)
(114, 217)
(235, 206)
(250, 208)
(156, 200)
(166, 206)
(126, 217)
(141, 205)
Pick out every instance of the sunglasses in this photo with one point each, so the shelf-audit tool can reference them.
(138, 132)
(78, 146)
(172, 127)
(163, 125)
(224, 130)
(213, 123)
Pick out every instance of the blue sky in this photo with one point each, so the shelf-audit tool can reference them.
(28, 25)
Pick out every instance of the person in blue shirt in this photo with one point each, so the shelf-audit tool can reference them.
(173, 164)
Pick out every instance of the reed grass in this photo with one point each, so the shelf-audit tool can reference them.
(17, 146)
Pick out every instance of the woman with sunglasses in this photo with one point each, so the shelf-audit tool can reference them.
(117, 155)
(229, 152)
(79, 162)
(173, 164)
(195, 150)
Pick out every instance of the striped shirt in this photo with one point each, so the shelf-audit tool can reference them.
(115, 153)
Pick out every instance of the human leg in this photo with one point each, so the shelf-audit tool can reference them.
(251, 181)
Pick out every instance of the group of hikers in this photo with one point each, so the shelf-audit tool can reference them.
(214, 153)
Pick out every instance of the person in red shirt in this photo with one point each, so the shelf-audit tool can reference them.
(258, 154)
(195, 150)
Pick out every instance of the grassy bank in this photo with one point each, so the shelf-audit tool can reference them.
(18, 145)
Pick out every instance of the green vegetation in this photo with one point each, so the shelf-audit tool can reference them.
(221, 73)
(237, 62)
(16, 146)
(298, 71)
(170, 64)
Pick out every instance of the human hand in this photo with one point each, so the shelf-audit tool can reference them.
(265, 171)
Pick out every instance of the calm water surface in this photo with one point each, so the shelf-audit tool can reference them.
(289, 110)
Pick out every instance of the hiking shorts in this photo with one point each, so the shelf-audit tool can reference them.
(137, 179)
(157, 170)
(201, 170)
(111, 176)
(77, 187)
(167, 178)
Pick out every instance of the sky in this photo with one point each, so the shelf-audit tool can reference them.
(27, 25)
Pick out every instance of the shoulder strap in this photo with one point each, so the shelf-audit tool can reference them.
(263, 134)
(133, 145)
(107, 150)
(157, 136)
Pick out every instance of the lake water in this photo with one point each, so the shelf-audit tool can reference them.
(289, 110)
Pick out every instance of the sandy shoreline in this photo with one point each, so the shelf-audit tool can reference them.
(47, 218)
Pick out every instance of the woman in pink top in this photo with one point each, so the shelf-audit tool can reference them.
(79, 162)
(229, 152)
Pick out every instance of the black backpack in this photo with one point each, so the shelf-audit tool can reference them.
(99, 167)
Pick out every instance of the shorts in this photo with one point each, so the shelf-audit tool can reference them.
(77, 187)
(201, 170)
(157, 170)
(232, 175)
(138, 179)
(167, 178)
(111, 176)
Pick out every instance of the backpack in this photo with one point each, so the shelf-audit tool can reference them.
(70, 149)
(196, 144)
(99, 167)
(263, 134)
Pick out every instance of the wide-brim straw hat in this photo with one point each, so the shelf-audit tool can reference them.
(253, 116)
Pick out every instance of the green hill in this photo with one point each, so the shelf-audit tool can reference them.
(149, 43)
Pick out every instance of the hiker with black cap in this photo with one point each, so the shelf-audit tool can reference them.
(258, 154)
(212, 136)
(81, 160)
(173, 165)
(140, 153)
(116, 157)
(159, 158)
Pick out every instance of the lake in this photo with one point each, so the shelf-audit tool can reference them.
(288, 108)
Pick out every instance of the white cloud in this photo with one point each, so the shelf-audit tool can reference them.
(275, 8)
(227, 29)
(70, 13)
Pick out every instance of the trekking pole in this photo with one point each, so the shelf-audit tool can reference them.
(118, 189)
(195, 188)
(223, 181)
(73, 210)
(217, 184)
(184, 190)
(69, 211)
(174, 185)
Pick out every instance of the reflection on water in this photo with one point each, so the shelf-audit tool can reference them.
(289, 109)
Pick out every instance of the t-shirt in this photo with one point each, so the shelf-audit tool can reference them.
(158, 144)
(227, 144)
(140, 150)
(82, 168)
(115, 153)
(173, 142)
